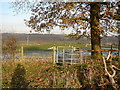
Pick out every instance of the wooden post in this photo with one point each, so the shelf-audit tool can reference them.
(71, 59)
(63, 56)
(81, 58)
(72, 56)
(111, 47)
(22, 53)
(54, 55)
(57, 56)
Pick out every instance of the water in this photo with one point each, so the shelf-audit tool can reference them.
(42, 52)
(105, 53)
(48, 52)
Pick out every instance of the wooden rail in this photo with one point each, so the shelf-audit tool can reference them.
(95, 50)
(37, 57)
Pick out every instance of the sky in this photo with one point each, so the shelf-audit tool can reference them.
(10, 22)
(14, 23)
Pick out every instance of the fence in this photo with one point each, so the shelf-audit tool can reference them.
(62, 55)
(34, 56)
(37, 57)
(68, 55)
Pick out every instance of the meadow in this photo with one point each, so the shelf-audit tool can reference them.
(37, 74)
(45, 74)
(45, 46)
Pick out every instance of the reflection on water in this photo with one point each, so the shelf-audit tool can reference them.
(105, 53)
(115, 53)
(38, 52)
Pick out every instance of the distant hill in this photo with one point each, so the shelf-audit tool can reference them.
(56, 38)
(34, 37)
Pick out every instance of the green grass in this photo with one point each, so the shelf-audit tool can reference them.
(109, 46)
(42, 74)
(45, 46)
(36, 71)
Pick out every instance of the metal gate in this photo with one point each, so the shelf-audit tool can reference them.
(66, 55)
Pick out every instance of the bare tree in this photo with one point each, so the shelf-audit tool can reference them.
(10, 46)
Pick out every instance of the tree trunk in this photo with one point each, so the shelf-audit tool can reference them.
(118, 25)
(95, 30)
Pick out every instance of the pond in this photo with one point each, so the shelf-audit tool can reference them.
(42, 52)
(105, 53)
(48, 52)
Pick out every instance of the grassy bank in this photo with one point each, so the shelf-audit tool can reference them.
(37, 74)
(45, 74)
(45, 46)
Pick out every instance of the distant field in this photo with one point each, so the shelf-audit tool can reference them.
(39, 42)
(52, 38)
(45, 46)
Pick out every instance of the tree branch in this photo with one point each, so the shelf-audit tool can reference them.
(114, 72)
(112, 67)
(106, 67)
(80, 18)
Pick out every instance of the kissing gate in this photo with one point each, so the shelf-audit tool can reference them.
(66, 55)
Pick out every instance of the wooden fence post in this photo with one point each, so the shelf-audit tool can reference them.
(72, 55)
(54, 55)
(57, 55)
(63, 56)
(81, 58)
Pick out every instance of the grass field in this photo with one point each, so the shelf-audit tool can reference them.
(45, 46)
(37, 74)
(45, 74)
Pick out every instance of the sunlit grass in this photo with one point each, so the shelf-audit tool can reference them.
(39, 73)
(45, 74)
(45, 46)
